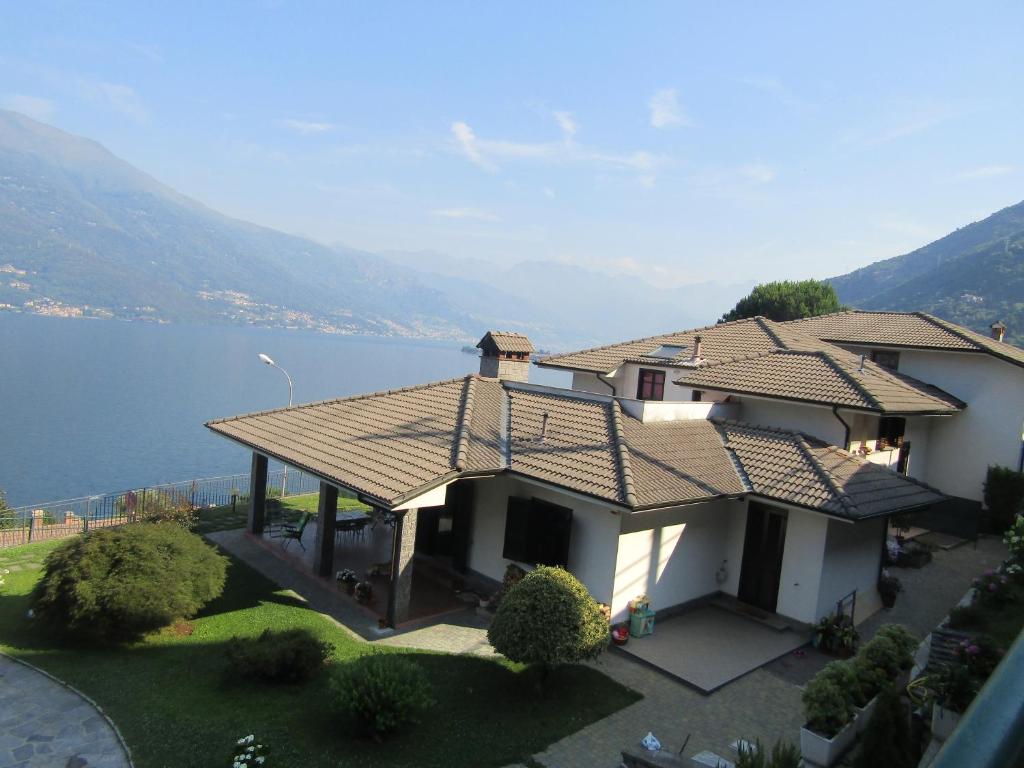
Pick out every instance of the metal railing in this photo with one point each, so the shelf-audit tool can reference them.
(69, 517)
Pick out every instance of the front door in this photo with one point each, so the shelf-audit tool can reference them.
(762, 556)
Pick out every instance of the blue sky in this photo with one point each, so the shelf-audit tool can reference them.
(677, 141)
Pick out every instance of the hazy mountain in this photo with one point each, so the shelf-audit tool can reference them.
(80, 228)
(972, 276)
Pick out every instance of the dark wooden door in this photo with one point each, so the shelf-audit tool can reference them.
(762, 556)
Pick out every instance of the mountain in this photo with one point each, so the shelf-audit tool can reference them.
(85, 233)
(973, 276)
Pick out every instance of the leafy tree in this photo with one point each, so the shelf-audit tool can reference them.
(6, 513)
(786, 300)
(548, 618)
(886, 741)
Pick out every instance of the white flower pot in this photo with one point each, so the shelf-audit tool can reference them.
(818, 750)
(944, 722)
(863, 715)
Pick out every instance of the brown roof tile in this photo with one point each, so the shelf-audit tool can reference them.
(505, 341)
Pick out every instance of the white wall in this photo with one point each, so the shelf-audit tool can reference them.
(672, 555)
(853, 554)
(592, 546)
(987, 432)
(810, 419)
(802, 565)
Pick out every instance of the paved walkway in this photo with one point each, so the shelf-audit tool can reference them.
(44, 724)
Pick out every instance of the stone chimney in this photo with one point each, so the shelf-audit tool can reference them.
(998, 330)
(505, 356)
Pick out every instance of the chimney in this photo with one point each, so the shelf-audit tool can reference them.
(696, 347)
(998, 330)
(505, 356)
(544, 427)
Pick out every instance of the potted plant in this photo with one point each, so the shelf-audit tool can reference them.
(347, 578)
(952, 689)
(844, 675)
(829, 731)
(888, 587)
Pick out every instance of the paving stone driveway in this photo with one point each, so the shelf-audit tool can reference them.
(43, 724)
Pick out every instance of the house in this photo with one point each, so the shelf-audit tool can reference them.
(752, 459)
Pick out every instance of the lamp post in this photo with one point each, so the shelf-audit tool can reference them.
(269, 361)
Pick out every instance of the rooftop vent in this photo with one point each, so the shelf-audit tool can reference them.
(998, 330)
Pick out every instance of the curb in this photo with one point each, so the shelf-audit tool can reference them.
(68, 686)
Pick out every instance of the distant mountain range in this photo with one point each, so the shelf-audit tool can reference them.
(83, 233)
(973, 276)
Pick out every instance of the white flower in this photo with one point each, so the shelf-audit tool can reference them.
(260, 760)
(250, 749)
(30, 613)
(241, 741)
(236, 764)
(250, 739)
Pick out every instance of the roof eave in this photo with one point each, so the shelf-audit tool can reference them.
(822, 403)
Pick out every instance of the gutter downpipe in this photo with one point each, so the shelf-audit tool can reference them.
(991, 733)
(846, 428)
(607, 383)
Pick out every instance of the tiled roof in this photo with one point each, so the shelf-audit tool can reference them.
(904, 329)
(505, 341)
(831, 378)
(394, 445)
(797, 469)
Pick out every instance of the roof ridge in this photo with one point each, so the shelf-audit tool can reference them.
(622, 451)
(843, 373)
(734, 458)
(945, 325)
(763, 323)
(844, 498)
(465, 415)
(347, 398)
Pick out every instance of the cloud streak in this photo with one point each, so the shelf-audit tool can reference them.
(465, 213)
(35, 107)
(986, 172)
(666, 111)
(121, 98)
(307, 127)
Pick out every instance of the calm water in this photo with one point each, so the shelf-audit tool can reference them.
(92, 406)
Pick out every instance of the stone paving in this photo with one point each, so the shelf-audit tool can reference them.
(44, 724)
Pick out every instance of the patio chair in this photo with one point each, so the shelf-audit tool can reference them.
(291, 532)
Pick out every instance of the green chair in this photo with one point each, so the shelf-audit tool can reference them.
(291, 532)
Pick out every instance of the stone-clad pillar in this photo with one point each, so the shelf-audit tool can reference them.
(257, 494)
(323, 548)
(403, 548)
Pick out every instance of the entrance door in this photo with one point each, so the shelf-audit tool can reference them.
(762, 556)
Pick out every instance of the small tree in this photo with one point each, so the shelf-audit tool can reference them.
(548, 618)
(6, 513)
(786, 300)
(886, 742)
(1004, 495)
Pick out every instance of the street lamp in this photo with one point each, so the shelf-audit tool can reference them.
(269, 361)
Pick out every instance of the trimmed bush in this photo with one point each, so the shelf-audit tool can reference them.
(886, 742)
(905, 642)
(883, 654)
(382, 692)
(1004, 495)
(116, 584)
(843, 674)
(291, 656)
(548, 618)
(826, 707)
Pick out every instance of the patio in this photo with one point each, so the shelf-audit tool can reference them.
(708, 647)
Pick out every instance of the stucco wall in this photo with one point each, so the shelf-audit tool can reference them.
(672, 555)
(810, 419)
(853, 554)
(592, 544)
(802, 565)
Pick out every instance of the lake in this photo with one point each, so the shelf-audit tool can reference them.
(95, 406)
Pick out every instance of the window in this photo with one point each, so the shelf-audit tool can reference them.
(696, 395)
(886, 358)
(651, 385)
(890, 432)
(537, 532)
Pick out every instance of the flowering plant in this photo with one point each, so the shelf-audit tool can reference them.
(249, 753)
(992, 588)
(640, 602)
(1014, 538)
(979, 655)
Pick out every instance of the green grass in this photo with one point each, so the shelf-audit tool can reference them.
(169, 696)
(225, 519)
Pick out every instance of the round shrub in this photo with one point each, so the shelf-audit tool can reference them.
(843, 674)
(382, 692)
(115, 584)
(826, 707)
(884, 655)
(289, 656)
(905, 642)
(548, 618)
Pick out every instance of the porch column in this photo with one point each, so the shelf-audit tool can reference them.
(403, 547)
(257, 493)
(323, 547)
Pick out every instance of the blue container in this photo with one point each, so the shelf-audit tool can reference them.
(641, 622)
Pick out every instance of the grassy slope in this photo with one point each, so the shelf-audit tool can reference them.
(169, 697)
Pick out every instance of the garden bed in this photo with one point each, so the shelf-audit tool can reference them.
(169, 695)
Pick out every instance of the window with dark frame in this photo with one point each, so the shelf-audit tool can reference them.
(890, 432)
(886, 358)
(651, 385)
(696, 395)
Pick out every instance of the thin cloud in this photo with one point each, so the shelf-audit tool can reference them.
(666, 111)
(307, 127)
(775, 88)
(986, 172)
(121, 98)
(467, 142)
(757, 173)
(920, 120)
(465, 213)
(35, 107)
(567, 124)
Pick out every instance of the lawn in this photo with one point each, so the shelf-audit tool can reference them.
(169, 696)
(226, 518)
